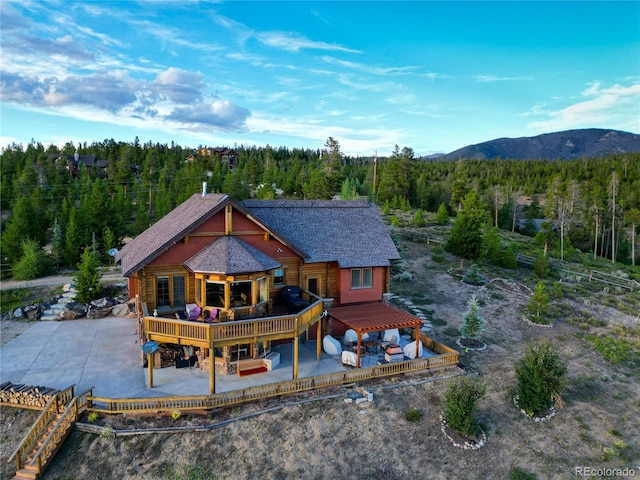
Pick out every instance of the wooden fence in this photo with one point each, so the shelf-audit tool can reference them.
(446, 357)
(590, 274)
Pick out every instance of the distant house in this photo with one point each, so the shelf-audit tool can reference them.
(91, 162)
(228, 156)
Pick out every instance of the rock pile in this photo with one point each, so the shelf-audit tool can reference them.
(64, 307)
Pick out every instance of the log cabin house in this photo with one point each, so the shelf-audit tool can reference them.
(232, 259)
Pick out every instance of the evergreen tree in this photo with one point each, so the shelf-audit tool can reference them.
(465, 240)
(442, 216)
(473, 323)
(20, 226)
(87, 278)
(539, 303)
(418, 219)
(493, 246)
(316, 187)
(460, 403)
(509, 259)
(540, 375)
(459, 186)
(33, 263)
(57, 243)
(541, 266)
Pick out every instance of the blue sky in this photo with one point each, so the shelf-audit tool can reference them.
(433, 76)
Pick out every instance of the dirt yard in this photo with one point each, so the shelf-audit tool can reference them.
(320, 436)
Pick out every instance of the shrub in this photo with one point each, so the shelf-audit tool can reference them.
(176, 414)
(437, 254)
(33, 263)
(459, 405)
(92, 417)
(473, 276)
(614, 350)
(509, 260)
(541, 266)
(517, 473)
(540, 374)
(413, 415)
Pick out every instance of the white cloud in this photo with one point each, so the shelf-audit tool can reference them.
(293, 42)
(617, 106)
(495, 78)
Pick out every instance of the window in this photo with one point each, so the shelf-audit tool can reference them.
(241, 293)
(278, 276)
(361, 278)
(199, 291)
(178, 292)
(162, 291)
(263, 291)
(215, 294)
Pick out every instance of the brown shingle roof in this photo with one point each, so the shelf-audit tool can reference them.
(231, 256)
(168, 230)
(349, 232)
(373, 317)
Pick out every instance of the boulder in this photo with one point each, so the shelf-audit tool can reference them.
(79, 308)
(68, 314)
(18, 313)
(99, 312)
(33, 312)
(102, 303)
(120, 310)
(331, 346)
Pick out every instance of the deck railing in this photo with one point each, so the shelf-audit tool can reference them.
(172, 330)
(446, 357)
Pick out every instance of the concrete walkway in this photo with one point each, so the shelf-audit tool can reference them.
(105, 354)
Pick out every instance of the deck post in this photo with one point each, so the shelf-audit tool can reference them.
(295, 356)
(359, 341)
(150, 369)
(212, 372)
(418, 341)
(319, 339)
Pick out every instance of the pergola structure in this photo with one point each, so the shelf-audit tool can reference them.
(374, 317)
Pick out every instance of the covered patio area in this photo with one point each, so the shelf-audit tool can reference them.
(374, 317)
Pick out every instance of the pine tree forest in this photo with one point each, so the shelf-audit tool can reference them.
(591, 202)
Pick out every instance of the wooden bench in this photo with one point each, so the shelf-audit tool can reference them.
(249, 367)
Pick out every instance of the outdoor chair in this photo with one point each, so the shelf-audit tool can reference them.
(194, 314)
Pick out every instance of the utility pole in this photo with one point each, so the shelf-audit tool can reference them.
(375, 167)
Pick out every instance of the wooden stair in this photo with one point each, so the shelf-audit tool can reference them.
(58, 427)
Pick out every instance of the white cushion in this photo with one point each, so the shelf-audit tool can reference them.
(389, 334)
(349, 358)
(410, 350)
(331, 345)
(351, 336)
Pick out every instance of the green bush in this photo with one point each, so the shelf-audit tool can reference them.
(413, 415)
(459, 405)
(33, 263)
(509, 259)
(541, 266)
(473, 276)
(517, 473)
(614, 350)
(87, 278)
(437, 254)
(540, 374)
(418, 219)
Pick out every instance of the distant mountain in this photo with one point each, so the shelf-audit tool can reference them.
(587, 143)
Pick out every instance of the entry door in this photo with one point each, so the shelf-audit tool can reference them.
(313, 285)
